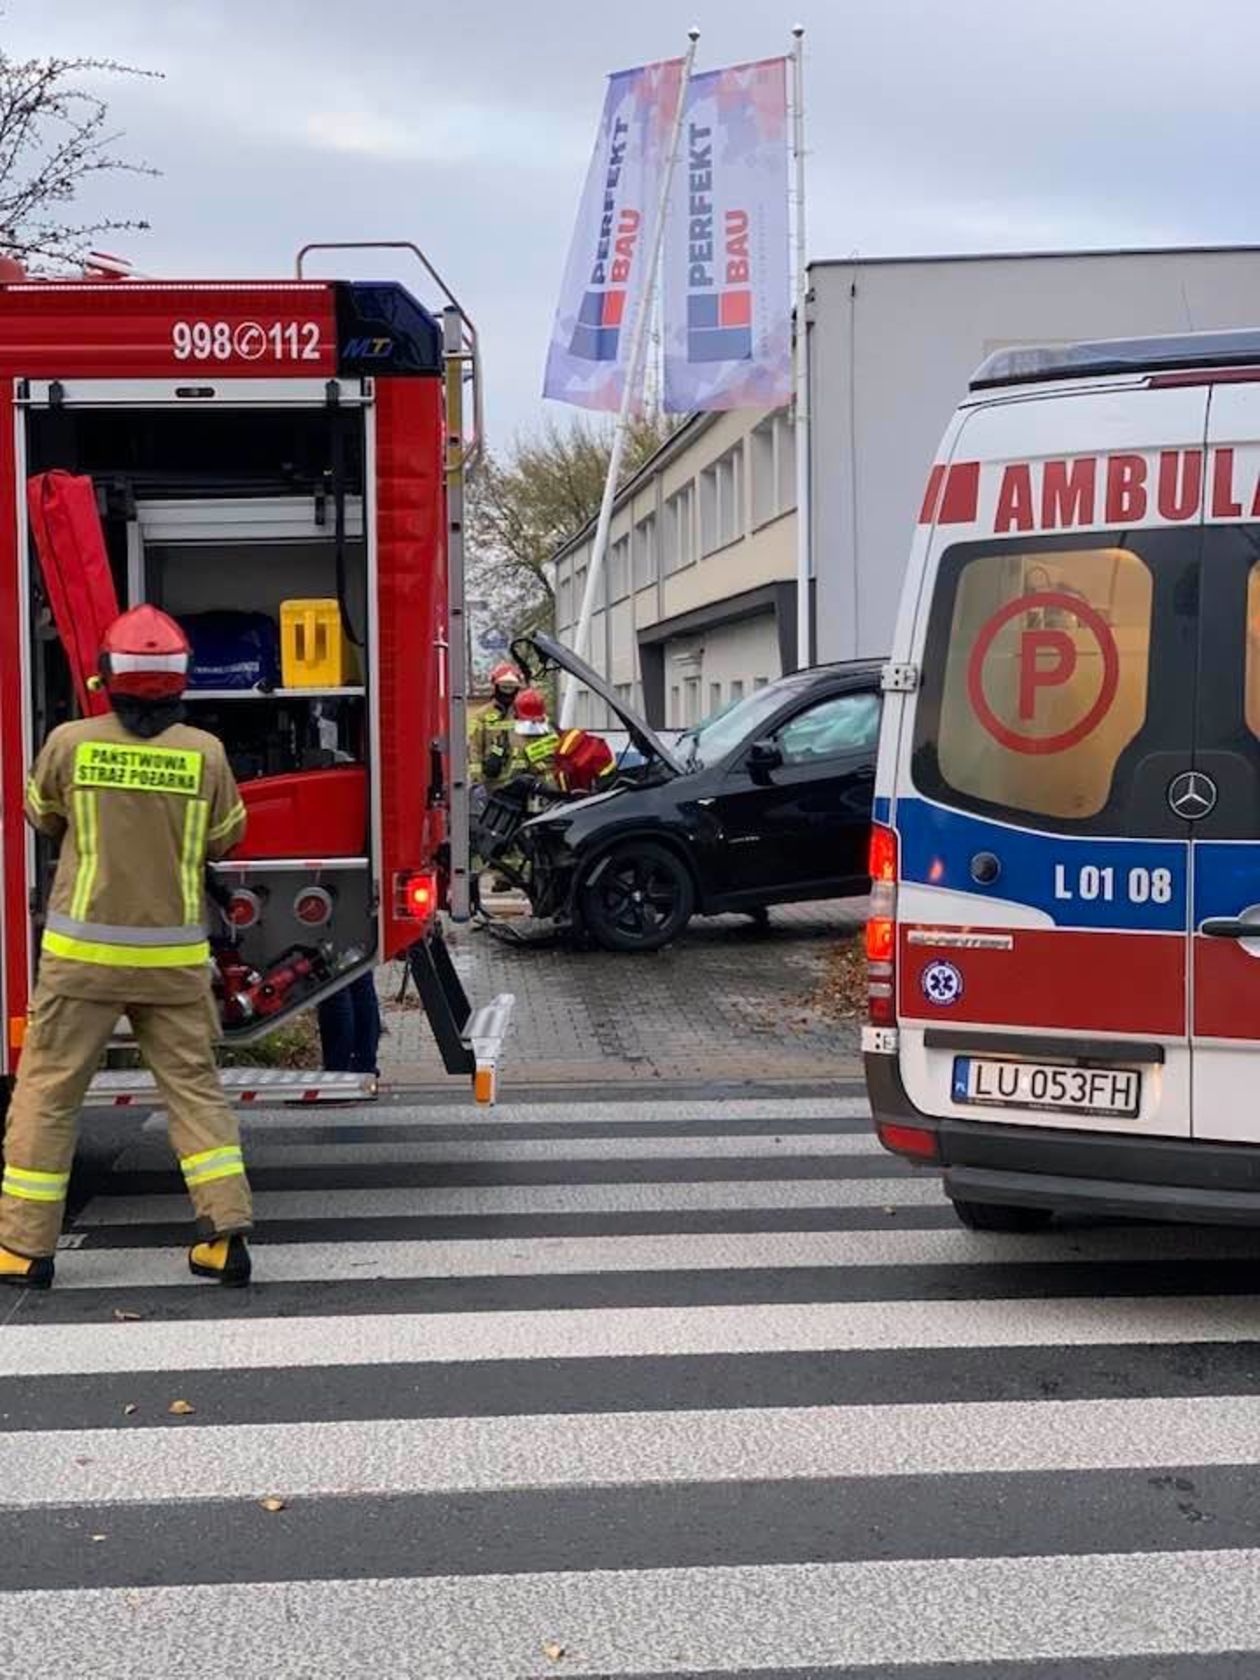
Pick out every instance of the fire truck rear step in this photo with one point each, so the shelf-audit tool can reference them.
(260, 1086)
(469, 1041)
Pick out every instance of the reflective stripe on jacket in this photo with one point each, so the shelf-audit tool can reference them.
(137, 820)
(490, 736)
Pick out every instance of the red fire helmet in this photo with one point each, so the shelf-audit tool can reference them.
(530, 706)
(505, 676)
(145, 655)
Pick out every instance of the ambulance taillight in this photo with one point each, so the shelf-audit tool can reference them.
(881, 929)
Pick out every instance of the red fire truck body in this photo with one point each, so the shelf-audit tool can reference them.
(256, 449)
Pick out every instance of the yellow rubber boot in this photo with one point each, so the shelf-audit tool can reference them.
(22, 1272)
(223, 1259)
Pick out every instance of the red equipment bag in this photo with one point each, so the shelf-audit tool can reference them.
(77, 578)
(581, 760)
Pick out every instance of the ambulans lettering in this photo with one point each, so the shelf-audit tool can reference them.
(104, 764)
(1094, 882)
(1128, 488)
(245, 341)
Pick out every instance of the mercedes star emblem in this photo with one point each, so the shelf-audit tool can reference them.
(1192, 795)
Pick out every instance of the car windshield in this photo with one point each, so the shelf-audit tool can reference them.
(709, 742)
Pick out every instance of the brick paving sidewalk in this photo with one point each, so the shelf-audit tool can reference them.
(727, 1004)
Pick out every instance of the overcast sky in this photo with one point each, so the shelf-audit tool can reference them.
(933, 126)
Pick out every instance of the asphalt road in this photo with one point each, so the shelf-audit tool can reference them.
(601, 1387)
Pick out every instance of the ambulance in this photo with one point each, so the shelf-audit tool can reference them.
(1064, 941)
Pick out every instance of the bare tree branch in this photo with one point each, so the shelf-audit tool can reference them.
(54, 138)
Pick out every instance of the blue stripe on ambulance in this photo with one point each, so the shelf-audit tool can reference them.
(1085, 881)
(1226, 877)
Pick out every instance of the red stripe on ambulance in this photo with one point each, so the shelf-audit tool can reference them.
(952, 496)
(1054, 978)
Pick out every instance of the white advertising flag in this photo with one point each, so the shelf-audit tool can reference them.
(727, 283)
(610, 255)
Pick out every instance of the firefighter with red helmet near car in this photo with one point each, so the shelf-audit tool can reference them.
(573, 762)
(490, 738)
(535, 743)
(139, 802)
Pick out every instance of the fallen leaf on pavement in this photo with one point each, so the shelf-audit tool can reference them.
(272, 1504)
(96, 1537)
(181, 1408)
(553, 1650)
(129, 1411)
(125, 1317)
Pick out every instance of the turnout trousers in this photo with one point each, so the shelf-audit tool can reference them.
(63, 1046)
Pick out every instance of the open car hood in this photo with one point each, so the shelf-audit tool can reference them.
(537, 654)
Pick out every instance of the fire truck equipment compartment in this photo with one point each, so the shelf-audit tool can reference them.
(309, 814)
(314, 649)
(232, 650)
(74, 563)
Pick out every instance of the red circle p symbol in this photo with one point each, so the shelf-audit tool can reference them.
(1047, 658)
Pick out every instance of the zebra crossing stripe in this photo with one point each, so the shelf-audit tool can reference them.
(443, 1455)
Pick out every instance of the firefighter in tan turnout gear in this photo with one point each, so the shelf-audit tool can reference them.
(139, 802)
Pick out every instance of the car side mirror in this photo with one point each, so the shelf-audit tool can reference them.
(763, 757)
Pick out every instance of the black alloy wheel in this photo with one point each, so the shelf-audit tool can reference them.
(638, 898)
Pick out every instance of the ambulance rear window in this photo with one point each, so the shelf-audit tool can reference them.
(1038, 698)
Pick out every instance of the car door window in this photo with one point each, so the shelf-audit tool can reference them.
(843, 724)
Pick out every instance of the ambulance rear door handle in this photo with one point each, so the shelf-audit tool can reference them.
(1229, 927)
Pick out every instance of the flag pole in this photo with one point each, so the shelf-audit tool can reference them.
(634, 375)
(800, 368)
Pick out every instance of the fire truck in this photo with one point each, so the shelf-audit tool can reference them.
(280, 466)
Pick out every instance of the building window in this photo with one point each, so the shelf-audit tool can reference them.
(721, 507)
(737, 689)
(619, 569)
(760, 682)
(680, 537)
(675, 707)
(645, 552)
(691, 701)
(773, 445)
(579, 590)
(564, 602)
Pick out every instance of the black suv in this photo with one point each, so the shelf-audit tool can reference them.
(766, 802)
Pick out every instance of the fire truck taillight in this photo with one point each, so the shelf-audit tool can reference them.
(416, 895)
(881, 929)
